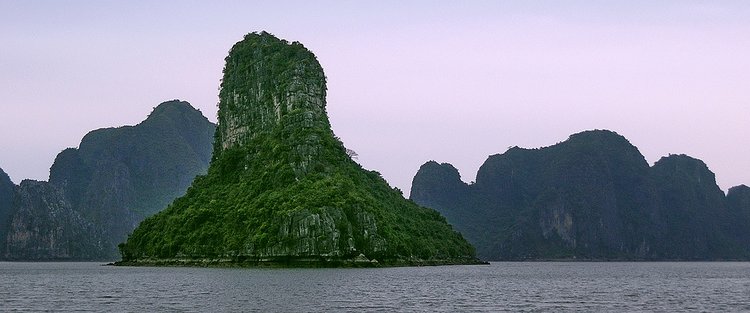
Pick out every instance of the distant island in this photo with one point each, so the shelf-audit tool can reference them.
(592, 197)
(281, 189)
(98, 193)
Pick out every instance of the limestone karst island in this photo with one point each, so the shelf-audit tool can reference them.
(281, 188)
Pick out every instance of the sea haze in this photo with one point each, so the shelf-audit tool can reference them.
(532, 286)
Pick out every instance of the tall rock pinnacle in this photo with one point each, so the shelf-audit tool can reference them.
(267, 83)
(281, 188)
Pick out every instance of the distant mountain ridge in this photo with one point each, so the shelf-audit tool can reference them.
(593, 196)
(99, 192)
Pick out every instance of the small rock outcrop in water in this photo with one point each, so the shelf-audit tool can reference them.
(99, 192)
(281, 188)
(593, 196)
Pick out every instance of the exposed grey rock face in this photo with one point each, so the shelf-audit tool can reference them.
(307, 233)
(45, 226)
(267, 89)
(280, 91)
(319, 234)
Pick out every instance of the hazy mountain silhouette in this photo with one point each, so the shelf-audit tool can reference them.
(99, 192)
(591, 197)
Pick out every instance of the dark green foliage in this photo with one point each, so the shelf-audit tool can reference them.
(224, 218)
(590, 197)
(281, 188)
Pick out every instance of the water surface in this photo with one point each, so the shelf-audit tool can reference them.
(546, 286)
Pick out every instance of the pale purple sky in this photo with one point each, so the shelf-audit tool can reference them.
(408, 81)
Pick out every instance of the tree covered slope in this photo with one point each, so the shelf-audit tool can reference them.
(281, 188)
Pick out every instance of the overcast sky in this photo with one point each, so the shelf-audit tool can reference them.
(408, 81)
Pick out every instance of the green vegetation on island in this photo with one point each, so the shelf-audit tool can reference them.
(281, 188)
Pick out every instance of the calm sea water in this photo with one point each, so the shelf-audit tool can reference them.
(556, 287)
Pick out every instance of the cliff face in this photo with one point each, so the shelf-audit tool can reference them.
(692, 213)
(439, 186)
(104, 188)
(45, 224)
(592, 197)
(265, 81)
(281, 189)
(273, 89)
(7, 192)
(118, 176)
(738, 215)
